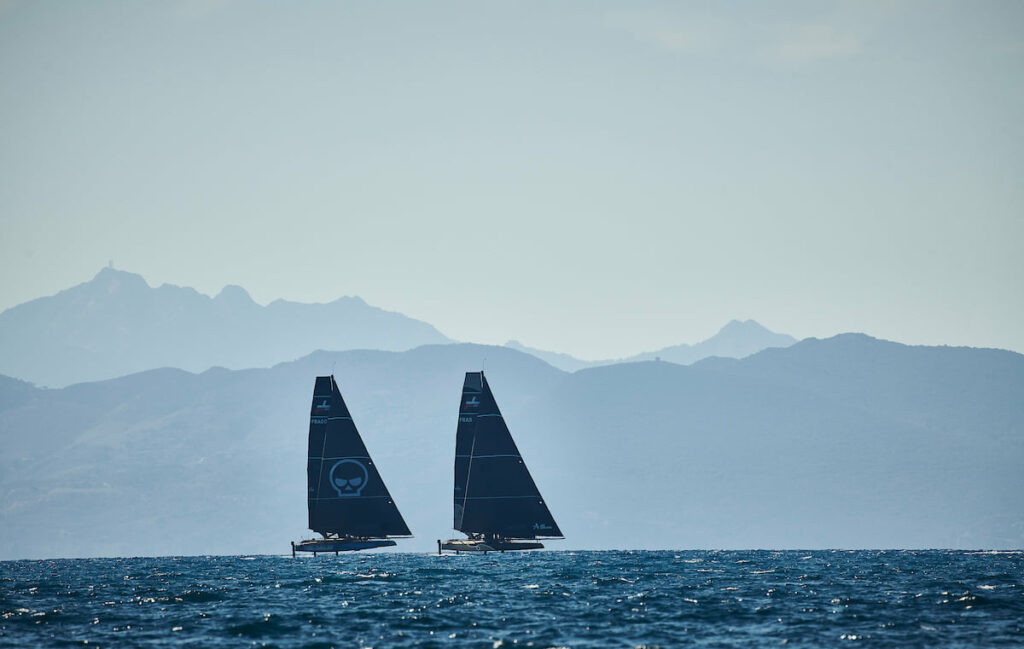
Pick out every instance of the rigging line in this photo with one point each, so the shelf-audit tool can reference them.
(469, 472)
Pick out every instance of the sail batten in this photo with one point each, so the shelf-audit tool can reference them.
(494, 492)
(346, 495)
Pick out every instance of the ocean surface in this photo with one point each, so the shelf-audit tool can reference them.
(540, 599)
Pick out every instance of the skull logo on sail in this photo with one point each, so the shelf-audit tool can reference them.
(349, 477)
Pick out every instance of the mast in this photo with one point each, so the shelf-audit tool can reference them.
(346, 495)
(494, 495)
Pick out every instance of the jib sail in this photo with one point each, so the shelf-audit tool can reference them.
(494, 492)
(346, 494)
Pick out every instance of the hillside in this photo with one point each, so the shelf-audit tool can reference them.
(845, 442)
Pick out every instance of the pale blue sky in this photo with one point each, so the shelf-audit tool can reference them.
(594, 178)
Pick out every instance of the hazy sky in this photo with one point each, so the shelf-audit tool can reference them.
(594, 178)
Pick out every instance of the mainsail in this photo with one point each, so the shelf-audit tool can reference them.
(347, 497)
(494, 492)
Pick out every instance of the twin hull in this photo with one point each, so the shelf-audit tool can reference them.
(340, 545)
(491, 545)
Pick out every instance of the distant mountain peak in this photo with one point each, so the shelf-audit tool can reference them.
(113, 279)
(350, 299)
(234, 295)
(750, 331)
(743, 325)
(109, 272)
(737, 339)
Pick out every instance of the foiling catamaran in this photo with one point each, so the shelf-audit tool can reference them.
(349, 505)
(497, 503)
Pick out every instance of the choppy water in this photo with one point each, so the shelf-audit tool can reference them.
(540, 599)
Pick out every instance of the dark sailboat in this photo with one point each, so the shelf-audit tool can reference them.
(349, 505)
(496, 502)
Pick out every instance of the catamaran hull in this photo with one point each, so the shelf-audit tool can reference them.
(491, 545)
(339, 545)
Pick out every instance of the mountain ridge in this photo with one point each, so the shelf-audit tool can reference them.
(116, 324)
(736, 339)
(807, 446)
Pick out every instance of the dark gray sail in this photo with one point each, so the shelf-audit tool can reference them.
(347, 497)
(494, 492)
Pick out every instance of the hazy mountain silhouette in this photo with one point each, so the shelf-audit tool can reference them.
(564, 362)
(116, 324)
(844, 442)
(735, 340)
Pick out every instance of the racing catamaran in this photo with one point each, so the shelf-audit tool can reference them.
(349, 504)
(496, 502)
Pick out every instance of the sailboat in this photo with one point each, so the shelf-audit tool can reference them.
(497, 504)
(349, 504)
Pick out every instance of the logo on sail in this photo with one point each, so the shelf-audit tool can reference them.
(322, 407)
(472, 403)
(349, 477)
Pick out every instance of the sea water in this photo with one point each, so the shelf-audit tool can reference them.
(538, 599)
